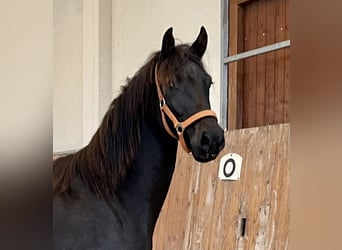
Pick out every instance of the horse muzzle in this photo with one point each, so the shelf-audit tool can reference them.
(206, 139)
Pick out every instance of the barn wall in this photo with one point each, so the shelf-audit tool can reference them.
(67, 85)
(82, 70)
(202, 212)
(138, 27)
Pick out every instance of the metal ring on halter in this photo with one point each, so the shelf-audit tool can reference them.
(179, 128)
(162, 102)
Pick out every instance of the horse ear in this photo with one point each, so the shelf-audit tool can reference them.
(168, 43)
(200, 44)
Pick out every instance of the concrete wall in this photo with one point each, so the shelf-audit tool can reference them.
(138, 28)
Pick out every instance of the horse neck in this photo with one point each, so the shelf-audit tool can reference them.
(147, 175)
(148, 179)
(136, 168)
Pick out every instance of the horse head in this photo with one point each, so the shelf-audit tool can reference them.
(183, 88)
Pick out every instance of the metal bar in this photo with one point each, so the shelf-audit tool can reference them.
(257, 51)
(224, 67)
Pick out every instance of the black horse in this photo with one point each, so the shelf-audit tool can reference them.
(109, 194)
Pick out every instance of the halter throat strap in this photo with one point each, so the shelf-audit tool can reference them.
(179, 126)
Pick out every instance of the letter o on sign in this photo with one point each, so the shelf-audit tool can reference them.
(230, 167)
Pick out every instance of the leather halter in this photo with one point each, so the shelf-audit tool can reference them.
(179, 126)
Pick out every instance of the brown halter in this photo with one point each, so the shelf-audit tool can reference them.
(179, 126)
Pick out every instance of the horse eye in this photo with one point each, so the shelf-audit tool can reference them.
(171, 85)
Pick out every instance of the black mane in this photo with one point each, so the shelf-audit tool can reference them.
(103, 163)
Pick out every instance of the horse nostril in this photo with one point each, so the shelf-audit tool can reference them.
(214, 146)
(205, 140)
(214, 150)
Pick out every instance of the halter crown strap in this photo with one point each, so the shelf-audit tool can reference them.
(179, 126)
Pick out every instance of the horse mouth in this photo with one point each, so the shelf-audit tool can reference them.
(205, 150)
(205, 157)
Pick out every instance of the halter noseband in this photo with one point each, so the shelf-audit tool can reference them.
(179, 126)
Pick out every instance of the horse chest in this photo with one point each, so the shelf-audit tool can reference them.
(88, 223)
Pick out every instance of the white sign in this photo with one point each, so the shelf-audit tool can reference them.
(230, 167)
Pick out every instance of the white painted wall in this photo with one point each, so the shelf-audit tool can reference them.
(67, 86)
(99, 43)
(138, 27)
(82, 70)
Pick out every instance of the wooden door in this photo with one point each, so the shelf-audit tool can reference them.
(203, 212)
(259, 86)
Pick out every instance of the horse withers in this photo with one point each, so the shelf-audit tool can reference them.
(109, 194)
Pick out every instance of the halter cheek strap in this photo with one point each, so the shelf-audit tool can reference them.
(179, 126)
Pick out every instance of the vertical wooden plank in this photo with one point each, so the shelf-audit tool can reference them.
(287, 66)
(280, 64)
(193, 198)
(170, 234)
(201, 227)
(261, 65)
(250, 31)
(239, 68)
(173, 233)
(217, 239)
(233, 202)
(236, 15)
(270, 61)
(287, 16)
(282, 181)
(232, 68)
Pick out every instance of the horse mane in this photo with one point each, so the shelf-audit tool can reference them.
(103, 163)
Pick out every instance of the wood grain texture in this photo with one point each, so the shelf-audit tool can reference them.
(279, 82)
(250, 65)
(259, 87)
(261, 65)
(202, 212)
(287, 67)
(232, 67)
(235, 69)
